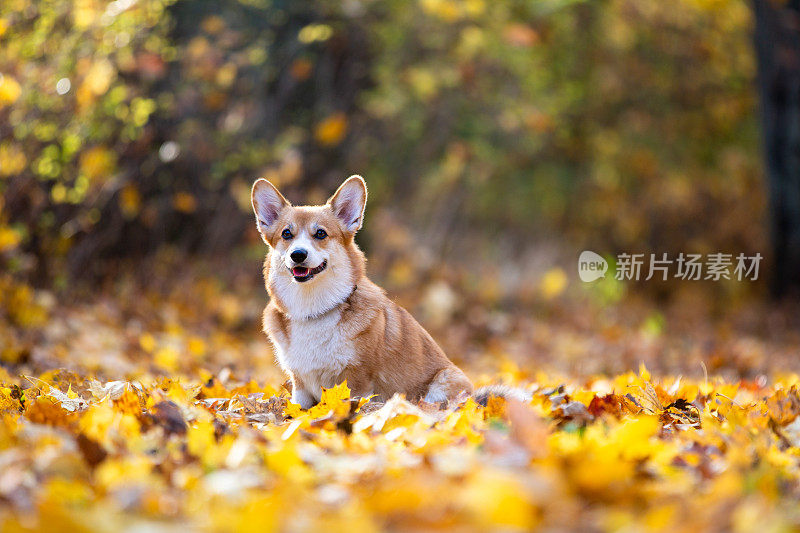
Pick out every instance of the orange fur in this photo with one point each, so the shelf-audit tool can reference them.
(361, 335)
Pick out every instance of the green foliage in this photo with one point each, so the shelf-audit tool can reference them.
(81, 74)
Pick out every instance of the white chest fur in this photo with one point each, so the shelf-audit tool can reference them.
(316, 353)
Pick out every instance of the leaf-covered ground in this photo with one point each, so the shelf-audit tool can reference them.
(161, 408)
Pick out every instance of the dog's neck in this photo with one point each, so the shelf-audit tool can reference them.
(300, 301)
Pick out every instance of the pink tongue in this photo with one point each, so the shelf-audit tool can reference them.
(299, 271)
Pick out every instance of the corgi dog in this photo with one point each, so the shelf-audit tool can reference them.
(326, 320)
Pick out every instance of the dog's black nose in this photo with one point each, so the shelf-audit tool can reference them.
(299, 255)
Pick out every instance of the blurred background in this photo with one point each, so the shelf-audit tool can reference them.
(498, 141)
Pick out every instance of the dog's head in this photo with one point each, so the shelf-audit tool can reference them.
(313, 260)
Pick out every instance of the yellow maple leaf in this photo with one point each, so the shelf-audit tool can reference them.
(125, 471)
(128, 402)
(497, 501)
(335, 400)
(553, 283)
(9, 90)
(110, 427)
(184, 202)
(130, 201)
(167, 358)
(98, 162)
(12, 159)
(9, 238)
(99, 77)
(293, 410)
(7, 403)
(331, 130)
(285, 461)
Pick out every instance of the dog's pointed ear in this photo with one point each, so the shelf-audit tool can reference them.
(348, 203)
(267, 205)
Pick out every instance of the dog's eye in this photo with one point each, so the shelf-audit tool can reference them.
(286, 234)
(320, 234)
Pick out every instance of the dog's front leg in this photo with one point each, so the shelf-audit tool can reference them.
(301, 395)
(304, 398)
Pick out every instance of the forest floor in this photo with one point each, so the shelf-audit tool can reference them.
(154, 402)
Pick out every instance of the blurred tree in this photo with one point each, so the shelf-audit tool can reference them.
(778, 48)
(619, 125)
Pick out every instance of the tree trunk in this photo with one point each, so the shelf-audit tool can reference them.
(777, 40)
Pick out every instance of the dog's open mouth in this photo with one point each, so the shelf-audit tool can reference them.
(302, 274)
